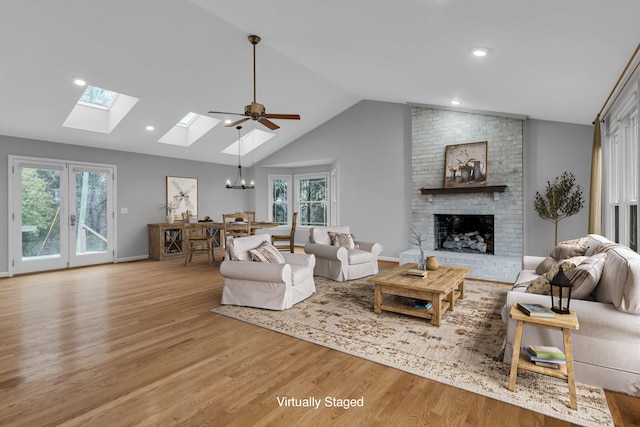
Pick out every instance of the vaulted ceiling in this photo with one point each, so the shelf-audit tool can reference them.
(548, 59)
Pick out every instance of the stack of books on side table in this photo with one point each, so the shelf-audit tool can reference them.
(535, 310)
(548, 357)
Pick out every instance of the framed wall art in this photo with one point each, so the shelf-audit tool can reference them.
(182, 195)
(465, 165)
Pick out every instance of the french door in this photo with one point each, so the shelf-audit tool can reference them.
(61, 214)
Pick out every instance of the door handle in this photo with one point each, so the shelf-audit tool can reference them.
(72, 218)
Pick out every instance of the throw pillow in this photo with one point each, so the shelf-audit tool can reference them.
(541, 284)
(563, 250)
(266, 252)
(345, 240)
(586, 276)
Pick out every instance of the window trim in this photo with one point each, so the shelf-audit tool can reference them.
(297, 178)
(289, 179)
(620, 177)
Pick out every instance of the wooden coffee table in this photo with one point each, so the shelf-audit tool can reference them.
(442, 287)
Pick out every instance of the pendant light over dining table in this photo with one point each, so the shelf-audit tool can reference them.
(239, 183)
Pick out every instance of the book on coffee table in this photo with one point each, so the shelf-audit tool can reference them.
(416, 272)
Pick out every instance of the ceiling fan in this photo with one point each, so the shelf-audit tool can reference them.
(255, 111)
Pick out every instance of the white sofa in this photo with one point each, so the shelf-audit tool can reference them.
(267, 285)
(606, 348)
(341, 263)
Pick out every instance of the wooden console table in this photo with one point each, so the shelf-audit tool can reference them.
(165, 240)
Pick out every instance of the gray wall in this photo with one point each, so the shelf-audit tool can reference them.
(369, 145)
(141, 188)
(550, 149)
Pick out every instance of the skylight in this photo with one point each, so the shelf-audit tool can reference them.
(189, 129)
(249, 142)
(98, 97)
(99, 110)
(186, 120)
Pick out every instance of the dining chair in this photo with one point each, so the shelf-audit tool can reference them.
(287, 237)
(236, 225)
(195, 239)
(253, 220)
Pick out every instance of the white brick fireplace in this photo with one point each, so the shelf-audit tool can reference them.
(432, 131)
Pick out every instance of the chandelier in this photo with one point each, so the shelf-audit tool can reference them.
(239, 183)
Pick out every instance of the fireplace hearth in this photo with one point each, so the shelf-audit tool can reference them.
(464, 233)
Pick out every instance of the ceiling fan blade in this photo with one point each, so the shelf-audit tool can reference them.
(283, 116)
(224, 112)
(237, 122)
(268, 123)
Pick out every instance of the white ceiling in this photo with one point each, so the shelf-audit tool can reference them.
(550, 60)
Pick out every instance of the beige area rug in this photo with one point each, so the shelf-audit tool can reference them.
(463, 352)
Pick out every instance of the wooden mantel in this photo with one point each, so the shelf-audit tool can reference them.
(459, 190)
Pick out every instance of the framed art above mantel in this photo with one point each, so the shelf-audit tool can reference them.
(465, 165)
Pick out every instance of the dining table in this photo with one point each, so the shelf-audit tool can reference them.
(216, 225)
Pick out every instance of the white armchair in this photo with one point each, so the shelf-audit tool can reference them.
(338, 262)
(268, 285)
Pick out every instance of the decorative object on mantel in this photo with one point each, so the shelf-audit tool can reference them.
(465, 165)
(182, 196)
(417, 240)
(432, 263)
(239, 183)
(562, 199)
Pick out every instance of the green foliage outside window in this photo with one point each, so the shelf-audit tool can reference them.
(313, 202)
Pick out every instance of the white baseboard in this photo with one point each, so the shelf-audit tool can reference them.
(133, 258)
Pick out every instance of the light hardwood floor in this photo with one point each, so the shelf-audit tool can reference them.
(135, 344)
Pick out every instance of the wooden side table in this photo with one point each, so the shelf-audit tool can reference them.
(562, 322)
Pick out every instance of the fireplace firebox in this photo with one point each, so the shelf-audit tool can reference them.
(464, 233)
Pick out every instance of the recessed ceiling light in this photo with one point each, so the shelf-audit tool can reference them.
(79, 81)
(455, 102)
(480, 51)
(226, 122)
(150, 127)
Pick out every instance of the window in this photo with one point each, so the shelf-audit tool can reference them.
(187, 119)
(98, 97)
(620, 149)
(309, 197)
(280, 198)
(313, 199)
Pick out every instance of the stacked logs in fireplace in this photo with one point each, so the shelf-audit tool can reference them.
(472, 241)
(464, 233)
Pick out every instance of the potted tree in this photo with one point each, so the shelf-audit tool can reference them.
(562, 199)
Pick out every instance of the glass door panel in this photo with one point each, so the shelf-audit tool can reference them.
(39, 231)
(62, 215)
(90, 218)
